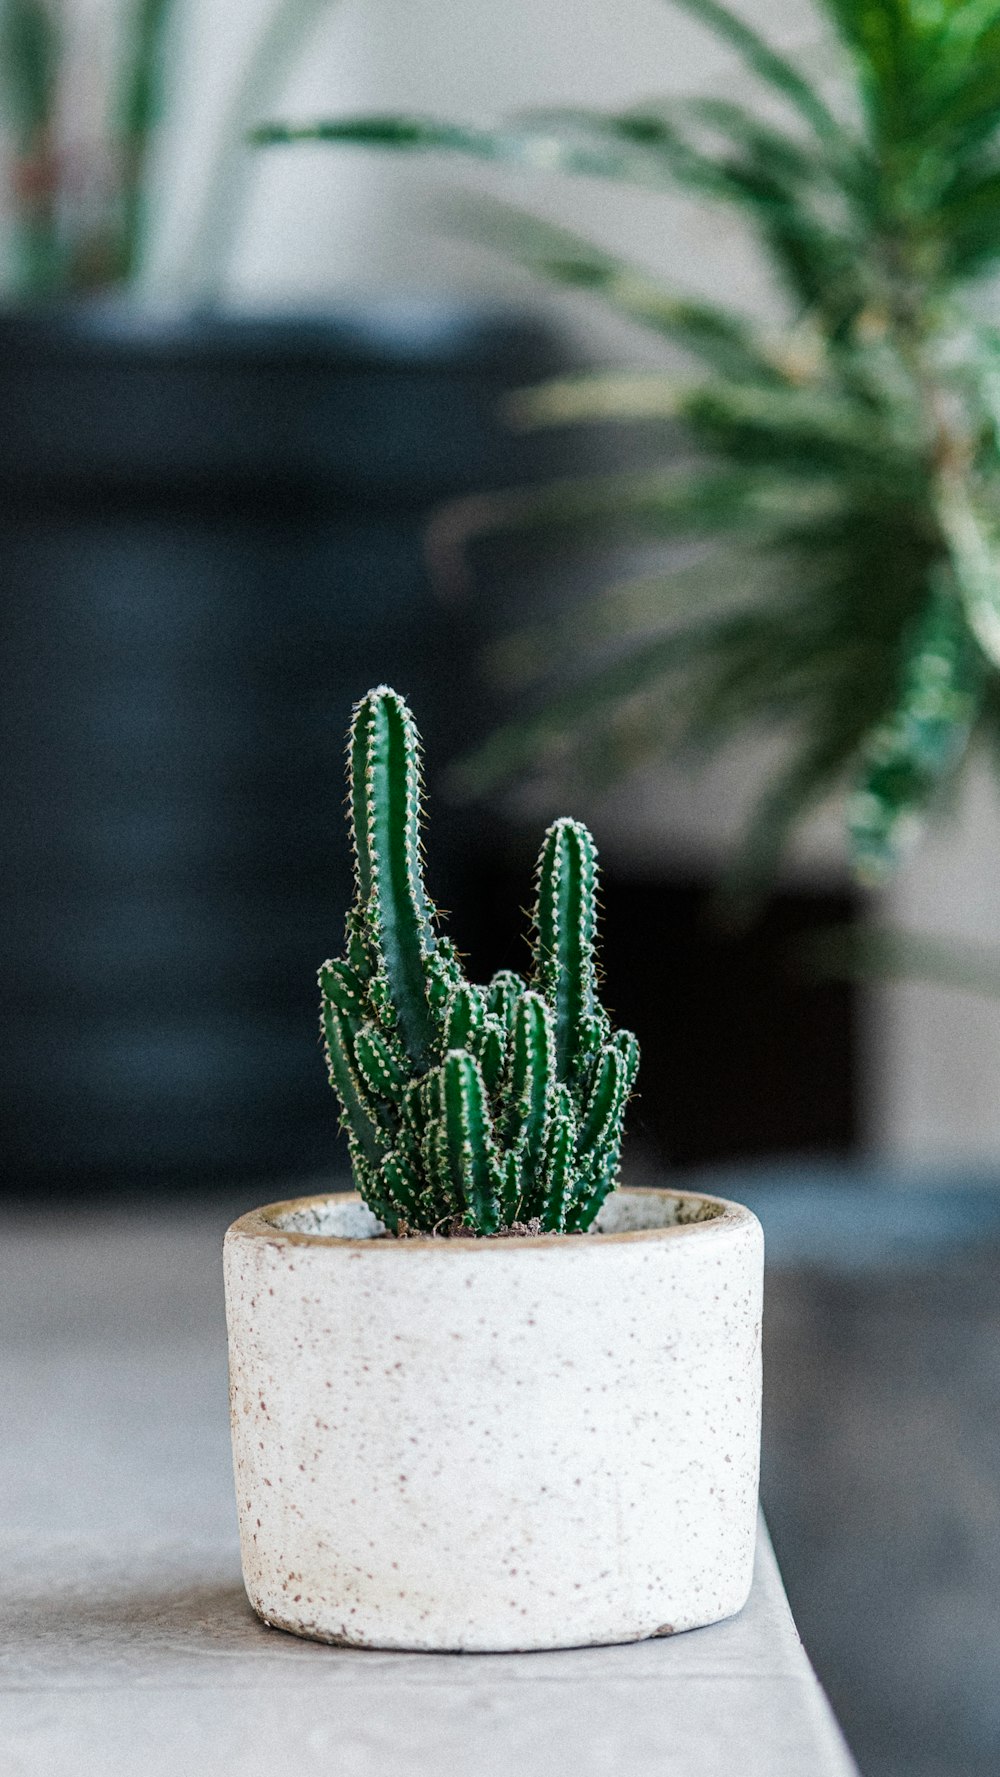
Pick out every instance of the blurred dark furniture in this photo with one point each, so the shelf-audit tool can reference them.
(210, 544)
(746, 1052)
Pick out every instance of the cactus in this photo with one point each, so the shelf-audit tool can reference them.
(467, 1109)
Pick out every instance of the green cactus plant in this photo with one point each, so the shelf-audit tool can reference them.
(467, 1108)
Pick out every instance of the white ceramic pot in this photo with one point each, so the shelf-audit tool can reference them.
(496, 1444)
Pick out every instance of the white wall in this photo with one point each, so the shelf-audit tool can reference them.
(322, 220)
(937, 1057)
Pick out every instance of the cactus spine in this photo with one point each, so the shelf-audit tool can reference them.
(466, 1105)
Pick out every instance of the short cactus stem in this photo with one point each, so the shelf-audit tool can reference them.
(466, 1107)
(565, 932)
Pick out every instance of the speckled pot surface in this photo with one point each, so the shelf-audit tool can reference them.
(496, 1444)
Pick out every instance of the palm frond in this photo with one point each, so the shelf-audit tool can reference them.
(803, 429)
(918, 746)
(854, 460)
(775, 70)
(525, 142)
(714, 335)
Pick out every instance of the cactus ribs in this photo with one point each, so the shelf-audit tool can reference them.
(493, 1107)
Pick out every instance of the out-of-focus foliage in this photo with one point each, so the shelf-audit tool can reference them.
(841, 473)
(77, 205)
(79, 198)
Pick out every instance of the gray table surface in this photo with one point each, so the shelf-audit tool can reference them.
(127, 1642)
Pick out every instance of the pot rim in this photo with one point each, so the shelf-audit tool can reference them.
(260, 1224)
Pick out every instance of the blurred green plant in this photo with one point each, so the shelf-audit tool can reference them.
(80, 208)
(840, 473)
(882, 955)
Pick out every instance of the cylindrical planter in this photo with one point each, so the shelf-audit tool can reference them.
(498, 1444)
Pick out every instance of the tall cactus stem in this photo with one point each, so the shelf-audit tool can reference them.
(386, 804)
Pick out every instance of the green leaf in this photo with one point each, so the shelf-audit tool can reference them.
(530, 145)
(921, 741)
(803, 428)
(771, 67)
(711, 333)
(975, 562)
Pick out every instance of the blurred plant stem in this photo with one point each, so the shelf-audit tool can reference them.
(874, 955)
(82, 213)
(29, 58)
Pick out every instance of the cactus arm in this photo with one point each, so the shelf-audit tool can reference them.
(512, 1184)
(471, 1148)
(585, 1205)
(380, 1069)
(369, 1181)
(599, 1148)
(602, 1180)
(560, 1158)
(628, 1047)
(565, 928)
(532, 1077)
(338, 1035)
(492, 1052)
(465, 1018)
(443, 1198)
(414, 1109)
(359, 957)
(592, 1034)
(468, 1025)
(402, 1181)
(436, 1167)
(385, 805)
(503, 993)
(604, 1101)
(340, 983)
(443, 972)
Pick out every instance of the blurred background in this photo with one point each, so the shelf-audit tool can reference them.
(262, 428)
